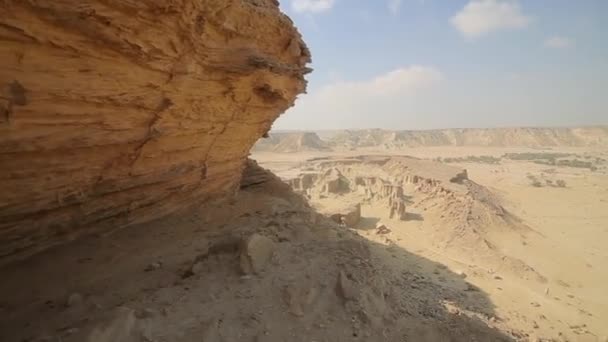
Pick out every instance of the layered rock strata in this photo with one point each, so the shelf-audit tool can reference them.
(119, 112)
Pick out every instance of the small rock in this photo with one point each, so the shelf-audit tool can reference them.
(46, 338)
(497, 277)
(256, 251)
(75, 299)
(535, 304)
(461, 274)
(346, 288)
(146, 313)
(71, 331)
(382, 229)
(197, 268)
(153, 266)
(471, 288)
(534, 325)
(118, 328)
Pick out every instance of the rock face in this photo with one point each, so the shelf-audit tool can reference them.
(255, 253)
(118, 112)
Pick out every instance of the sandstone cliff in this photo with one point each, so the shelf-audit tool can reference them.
(119, 112)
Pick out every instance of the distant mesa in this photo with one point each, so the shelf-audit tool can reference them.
(292, 142)
(344, 140)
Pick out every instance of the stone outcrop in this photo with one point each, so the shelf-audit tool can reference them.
(335, 182)
(119, 112)
(303, 182)
(349, 214)
(396, 203)
(380, 191)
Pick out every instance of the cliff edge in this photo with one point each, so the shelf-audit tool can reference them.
(119, 112)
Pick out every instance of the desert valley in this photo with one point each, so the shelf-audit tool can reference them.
(147, 196)
(520, 213)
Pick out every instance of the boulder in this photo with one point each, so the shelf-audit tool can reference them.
(118, 327)
(255, 253)
(348, 215)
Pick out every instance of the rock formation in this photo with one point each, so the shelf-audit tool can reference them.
(332, 180)
(119, 112)
(303, 182)
(335, 182)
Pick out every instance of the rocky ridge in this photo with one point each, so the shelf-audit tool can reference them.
(381, 139)
(459, 214)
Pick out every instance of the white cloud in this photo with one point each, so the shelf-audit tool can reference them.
(312, 5)
(401, 80)
(558, 42)
(393, 6)
(345, 103)
(480, 17)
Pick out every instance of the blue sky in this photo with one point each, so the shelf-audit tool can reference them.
(422, 64)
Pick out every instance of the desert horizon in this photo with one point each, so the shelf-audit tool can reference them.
(521, 223)
(157, 183)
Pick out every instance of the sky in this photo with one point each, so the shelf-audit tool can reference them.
(426, 64)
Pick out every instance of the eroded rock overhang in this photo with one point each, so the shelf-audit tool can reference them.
(114, 113)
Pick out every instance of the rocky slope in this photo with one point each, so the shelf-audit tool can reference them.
(118, 112)
(265, 267)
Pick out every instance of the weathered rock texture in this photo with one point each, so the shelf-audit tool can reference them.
(118, 112)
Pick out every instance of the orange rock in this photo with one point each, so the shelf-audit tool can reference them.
(117, 113)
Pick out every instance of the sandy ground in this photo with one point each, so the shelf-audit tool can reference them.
(263, 268)
(268, 267)
(567, 243)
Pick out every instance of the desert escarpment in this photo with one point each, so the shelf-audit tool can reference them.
(493, 137)
(390, 140)
(118, 112)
